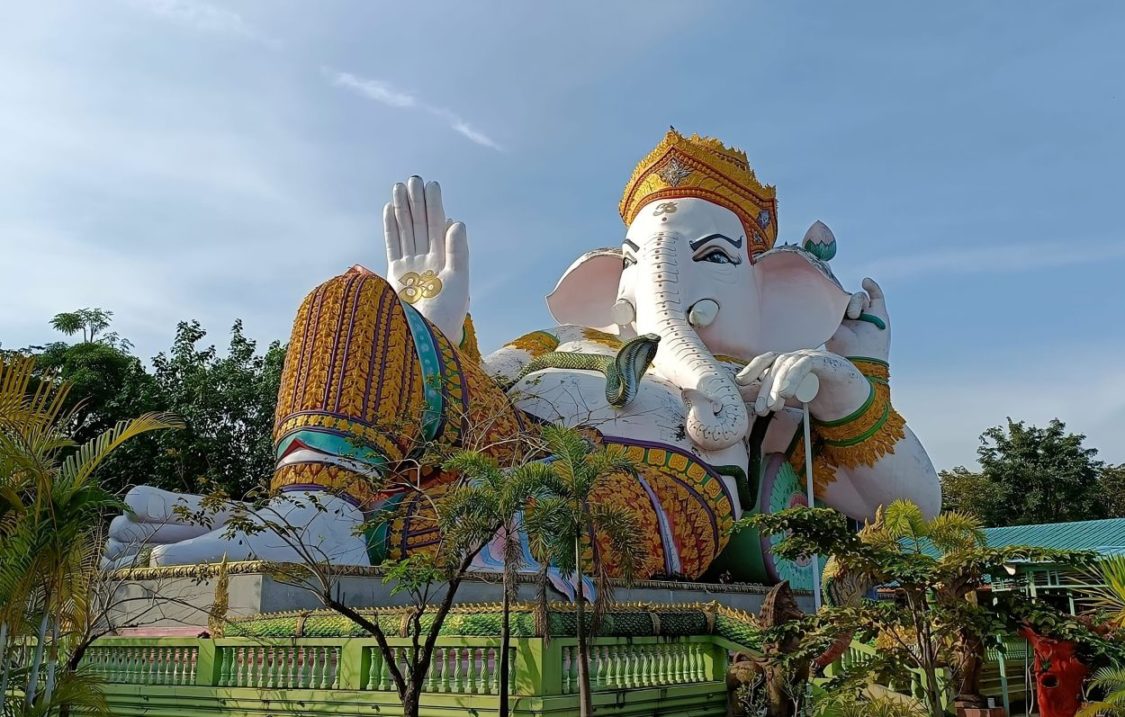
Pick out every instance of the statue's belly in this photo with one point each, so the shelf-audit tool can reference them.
(577, 398)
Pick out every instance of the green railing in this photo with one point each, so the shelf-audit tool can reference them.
(182, 676)
(859, 654)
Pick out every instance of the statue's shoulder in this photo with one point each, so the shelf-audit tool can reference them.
(509, 359)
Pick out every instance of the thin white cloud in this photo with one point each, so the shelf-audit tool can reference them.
(376, 90)
(204, 17)
(464, 128)
(994, 259)
(386, 93)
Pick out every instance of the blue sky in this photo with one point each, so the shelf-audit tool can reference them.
(176, 159)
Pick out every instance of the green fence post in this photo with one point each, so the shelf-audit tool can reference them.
(207, 664)
(353, 665)
(550, 664)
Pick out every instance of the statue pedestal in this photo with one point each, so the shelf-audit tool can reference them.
(178, 600)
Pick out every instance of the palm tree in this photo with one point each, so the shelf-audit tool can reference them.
(50, 509)
(495, 499)
(1112, 681)
(568, 515)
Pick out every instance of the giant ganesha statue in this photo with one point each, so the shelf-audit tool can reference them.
(686, 345)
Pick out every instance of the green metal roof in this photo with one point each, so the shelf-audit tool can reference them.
(1104, 536)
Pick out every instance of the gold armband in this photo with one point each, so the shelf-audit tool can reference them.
(859, 439)
(871, 431)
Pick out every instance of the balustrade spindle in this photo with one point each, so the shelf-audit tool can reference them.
(612, 654)
(458, 670)
(385, 680)
(334, 675)
(496, 686)
(486, 670)
(471, 671)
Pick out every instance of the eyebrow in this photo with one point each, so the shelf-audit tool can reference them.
(700, 242)
(633, 246)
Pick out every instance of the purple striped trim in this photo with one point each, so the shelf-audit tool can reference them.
(336, 338)
(348, 342)
(380, 323)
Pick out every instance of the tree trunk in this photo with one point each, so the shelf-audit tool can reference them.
(3, 665)
(36, 660)
(52, 663)
(505, 641)
(972, 662)
(586, 705)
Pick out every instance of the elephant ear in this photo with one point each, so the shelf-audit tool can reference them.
(587, 290)
(802, 301)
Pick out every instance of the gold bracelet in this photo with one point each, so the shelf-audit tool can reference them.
(861, 438)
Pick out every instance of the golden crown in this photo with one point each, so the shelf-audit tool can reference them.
(705, 168)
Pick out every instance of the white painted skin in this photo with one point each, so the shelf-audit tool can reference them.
(420, 238)
(725, 297)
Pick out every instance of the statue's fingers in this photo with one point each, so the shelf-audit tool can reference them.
(416, 192)
(794, 376)
(457, 248)
(762, 403)
(435, 220)
(402, 215)
(782, 369)
(878, 303)
(856, 305)
(390, 234)
(754, 370)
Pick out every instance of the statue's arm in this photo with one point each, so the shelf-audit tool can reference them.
(906, 472)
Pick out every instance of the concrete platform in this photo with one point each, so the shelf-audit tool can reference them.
(177, 600)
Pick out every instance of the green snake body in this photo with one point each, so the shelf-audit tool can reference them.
(622, 372)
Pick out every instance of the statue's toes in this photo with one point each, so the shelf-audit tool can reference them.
(210, 548)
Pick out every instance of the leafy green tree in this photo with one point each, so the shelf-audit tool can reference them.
(227, 403)
(1111, 487)
(89, 321)
(1046, 474)
(563, 520)
(972, 493)
(227, 400)
(935, 565)
(1029, 474)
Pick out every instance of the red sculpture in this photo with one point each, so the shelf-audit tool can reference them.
(1059, 675)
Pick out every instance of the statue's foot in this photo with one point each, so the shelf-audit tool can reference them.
(293, 528)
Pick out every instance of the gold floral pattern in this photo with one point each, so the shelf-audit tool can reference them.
(602, 338)
(536, 343)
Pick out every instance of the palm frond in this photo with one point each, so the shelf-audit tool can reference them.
(953, 530)
(78, 467)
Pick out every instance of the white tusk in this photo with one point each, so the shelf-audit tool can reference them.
(703, 313)
(623, 312)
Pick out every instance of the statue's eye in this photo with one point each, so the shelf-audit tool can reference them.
(627, 261)
(717, 256)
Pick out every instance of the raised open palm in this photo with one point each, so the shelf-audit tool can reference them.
(427, 255)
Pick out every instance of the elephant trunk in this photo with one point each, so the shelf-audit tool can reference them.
(716, 413)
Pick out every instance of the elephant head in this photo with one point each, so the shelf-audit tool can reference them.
(696, 269)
